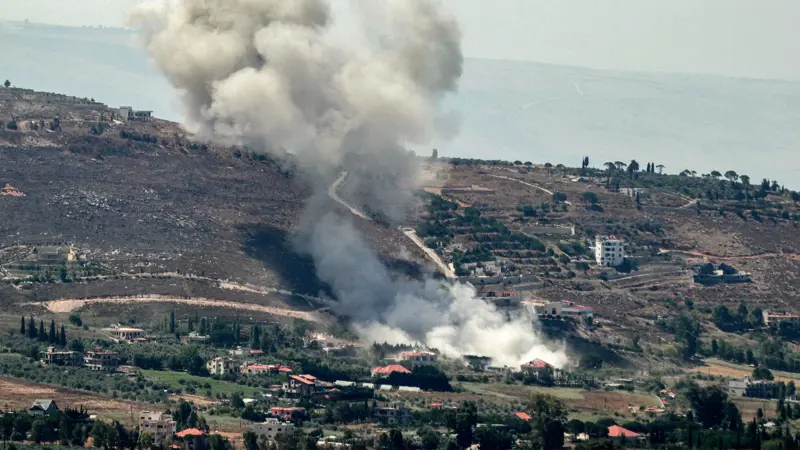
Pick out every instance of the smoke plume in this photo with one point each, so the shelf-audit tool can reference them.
(270, 75)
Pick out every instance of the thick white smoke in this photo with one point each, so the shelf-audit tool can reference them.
(268, 74)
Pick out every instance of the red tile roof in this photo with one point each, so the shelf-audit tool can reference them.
(523, 416)
(618, 431)
(537, 364)
(436, 405)
(301, 379)
(191, 432)
(256, 352)
(390, 369)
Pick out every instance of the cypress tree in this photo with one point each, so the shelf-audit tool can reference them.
(190, 325)
(42, 334)
(51, 336)
(32, 328)
(62, 338)
(22, 326)
(172, 322)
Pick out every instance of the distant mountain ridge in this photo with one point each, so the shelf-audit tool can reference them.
(509, 110)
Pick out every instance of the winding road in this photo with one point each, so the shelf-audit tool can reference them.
(526, 184)
(334, 195)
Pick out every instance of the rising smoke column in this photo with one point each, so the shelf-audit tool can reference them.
(268, 74)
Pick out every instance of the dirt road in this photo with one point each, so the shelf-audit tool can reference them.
(527, 184)
(429, 252)
(334, 195)
(68, 305)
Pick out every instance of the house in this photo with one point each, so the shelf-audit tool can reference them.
(195, 338)
(253, 369)
(221, 366)
(294, 413)
(100, 360)
(419, 358)
(301, 384)
(747, 387)
(126, 334)
(609, 251)
(778, 318)
(158, 425)
(565, 308)
(43, 407)
(523, 416)
(537, 365)
(193, 439)
(54, 253)
(53, 357)
(271, 428)
(617, 433)
(254, 353)
(392, 413)
(385, 371)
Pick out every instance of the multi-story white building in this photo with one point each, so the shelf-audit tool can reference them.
(419, 358)
(158, 425)
(609, 251)
(272, 427)
(221, 366)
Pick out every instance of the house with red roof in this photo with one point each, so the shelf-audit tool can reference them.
(193, 439)
(616, 432)
(292, 414)
(385, 371)
(537, 365)
(523, 416)
(301, 384)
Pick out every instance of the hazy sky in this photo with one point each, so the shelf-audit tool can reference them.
(743, 38)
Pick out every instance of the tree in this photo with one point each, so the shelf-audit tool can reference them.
(709, 404)
(32, 329)
(559, 197)
(795, 196)
(745, 184)
(732, 176)
(236, 401)
(590, 198)
(435, 154)
(549, 168)
(610, 168)
(172, 322)
(633, 167)
(715, 174)
(7, 84)
(549, 419)
(660, 168)
(22, 326)
(762, 373)
(250, 440)
(465, 420)
(51, 335)
(62, 337)
(42, 335)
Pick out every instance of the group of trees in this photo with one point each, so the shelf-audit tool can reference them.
(69, 427)
(53, 336)
(740, 321)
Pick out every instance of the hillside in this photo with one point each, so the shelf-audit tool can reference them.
(508, 110)
(137, 200)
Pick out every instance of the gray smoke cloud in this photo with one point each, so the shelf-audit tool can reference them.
(271, 75)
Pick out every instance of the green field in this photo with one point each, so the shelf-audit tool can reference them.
(173, 379)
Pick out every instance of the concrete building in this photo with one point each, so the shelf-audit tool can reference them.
(609, 251)
(195, 338)
(747, 387)
(54, 253)
(158, 425)
(419, 358)
(221, 366)
(776, 318)
(294, 413)
(565, 308)
(127, 114)
(126, 334)
(392, 413)
(271, 428)
(53, 357)
(101, 361)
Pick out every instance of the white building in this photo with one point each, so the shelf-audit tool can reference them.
(419, 358)
(609, 251)
(221, 366)
(158, 425)
(271, 428)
